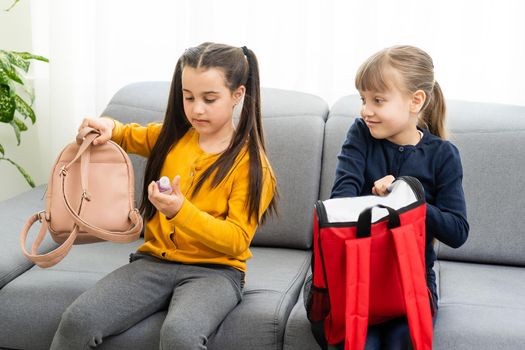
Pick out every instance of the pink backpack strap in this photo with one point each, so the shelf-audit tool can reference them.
(53, 257)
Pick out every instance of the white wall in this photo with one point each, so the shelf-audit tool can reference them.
(97, 46)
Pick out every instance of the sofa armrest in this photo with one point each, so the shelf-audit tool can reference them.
(14, 213)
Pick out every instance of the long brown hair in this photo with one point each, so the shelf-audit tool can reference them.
(416, 69)
(240, 67)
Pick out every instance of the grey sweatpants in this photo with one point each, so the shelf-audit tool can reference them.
(198, 298)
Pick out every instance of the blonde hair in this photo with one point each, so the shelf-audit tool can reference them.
(416, 71)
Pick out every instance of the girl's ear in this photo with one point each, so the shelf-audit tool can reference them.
(418, 100)
(238, 94)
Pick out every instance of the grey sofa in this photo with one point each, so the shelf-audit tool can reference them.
(480, 284)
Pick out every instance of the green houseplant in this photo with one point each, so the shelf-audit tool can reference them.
(16, 98)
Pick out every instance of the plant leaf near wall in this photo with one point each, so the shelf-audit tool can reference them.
(16, 98)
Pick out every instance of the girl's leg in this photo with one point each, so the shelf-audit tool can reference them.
(201, 300)
(117, 302)
(373, 340)
(397, 333)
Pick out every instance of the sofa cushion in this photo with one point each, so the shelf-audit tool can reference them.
(33, 303)
(141, 103)
(293, 128)
(258, 322)
(335, 132)
(342, 115)
(293, 123)
(14, 213)
(274, 279)
(294, 147)
(298, 334)
(145, 102)
(494, 190)
(490, 138)
(481, 307)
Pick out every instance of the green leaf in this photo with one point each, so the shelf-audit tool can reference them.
(2, 150)
(16, 60)
(20, 124)
(13, 5)
(22, 171)
(9, 69)
(7, 104)
(4, 79)
(23, 108)
(30, 56)
(17, 131)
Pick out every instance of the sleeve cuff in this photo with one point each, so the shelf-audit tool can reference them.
(186, 212)
(431, 215)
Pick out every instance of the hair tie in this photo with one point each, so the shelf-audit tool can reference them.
(245, 51)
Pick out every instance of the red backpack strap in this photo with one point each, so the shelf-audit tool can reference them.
(413, 280)
(357, 292)
(358, 277)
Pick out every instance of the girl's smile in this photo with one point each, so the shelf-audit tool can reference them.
(371, 123)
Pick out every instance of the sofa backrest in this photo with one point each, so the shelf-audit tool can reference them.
(491, 141)
(142, 103)
(340, 118)
(293, 125)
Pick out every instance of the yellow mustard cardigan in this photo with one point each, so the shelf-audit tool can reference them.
(213, 226)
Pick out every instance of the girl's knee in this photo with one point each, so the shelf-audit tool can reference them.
(173, 336)
(72, 321)
(76, 330)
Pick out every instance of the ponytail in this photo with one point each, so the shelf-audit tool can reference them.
(251, 123)
(433, 116)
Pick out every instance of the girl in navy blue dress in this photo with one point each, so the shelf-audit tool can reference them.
(402, 132)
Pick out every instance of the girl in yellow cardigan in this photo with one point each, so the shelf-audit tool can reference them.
(197, 238)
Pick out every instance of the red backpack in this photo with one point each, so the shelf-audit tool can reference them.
(369, 266)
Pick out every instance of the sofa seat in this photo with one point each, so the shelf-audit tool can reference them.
(14, 213)
(273, 282)
(481, 306)
(298, 334)
(45, 293)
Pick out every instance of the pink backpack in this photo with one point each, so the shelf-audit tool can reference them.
(90, 198)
